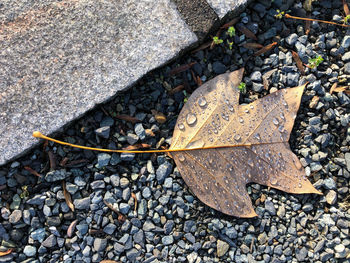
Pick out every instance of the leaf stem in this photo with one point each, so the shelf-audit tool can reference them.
(38, 134)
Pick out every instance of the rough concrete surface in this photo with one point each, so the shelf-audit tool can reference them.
(60, 58)
(198, 14)
(222, 7)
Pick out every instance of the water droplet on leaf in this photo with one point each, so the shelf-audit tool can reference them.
(181, 126)
(191, 119)
(202, 102)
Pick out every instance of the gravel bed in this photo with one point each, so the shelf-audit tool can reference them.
(169, 224)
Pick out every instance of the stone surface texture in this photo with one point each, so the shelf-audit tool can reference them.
(59, 59)
(222, 7)
(199, 15)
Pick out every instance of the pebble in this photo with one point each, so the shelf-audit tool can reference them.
(103, 159)
(167, 240)
(124, 182)
(219, 68)
(127, 157)
(100, 244)
(82, 204)
(29, 251)
(221, 247)
(291, 39)
(329, 184)
(110, 228)
(270, 207)
(346, 42)
(103, 132)
(50, 242)
(56, 175)
(331, 197)
(15, 216)
(163, 171)
(38, 234)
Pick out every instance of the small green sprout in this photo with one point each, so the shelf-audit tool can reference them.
(231, 31)
(242, 87)
(217, 40)
(347, 19)
(186, 96)
(230, 44)
(315, 62)
(279, 14)
(25, 192)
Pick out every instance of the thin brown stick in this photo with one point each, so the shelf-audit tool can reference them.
(317, 20)
(32, 171)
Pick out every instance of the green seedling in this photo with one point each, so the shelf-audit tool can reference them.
(230, 44)
(231, 31)
(217, 40)
(315, 62)
(279, 14)
(242, 87)
(347, 19)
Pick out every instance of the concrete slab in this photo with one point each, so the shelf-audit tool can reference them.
(198, 14)
(223, 7)
(60, 58)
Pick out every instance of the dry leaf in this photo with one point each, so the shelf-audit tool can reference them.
(71, 228)
(4, 253)
(137, 146)
(257, 135)
(133, 195)
(121, 217)
(335, 88)
(159, 116)
(181, 68)
(246, 31)
(127, 118)
(32, 171)
(346, 8)
(231, 23)
(253, 46)
(176, 89)
(67, 197)
(298, 62)
(265, 49)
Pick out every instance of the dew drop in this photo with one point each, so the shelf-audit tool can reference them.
(299, 185)
(250, 162)
(237, 137)
(215, 131)
(230, 108)
(191, 119)
(246, 111)
(251, 106)
(281, 129)
(202, 102)
(282, 116)
(275, 121)
(273, 180)
(181, 126)
(181, 158)
(257, 136)
(241, 120)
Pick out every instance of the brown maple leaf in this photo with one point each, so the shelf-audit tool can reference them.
(250, 144)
